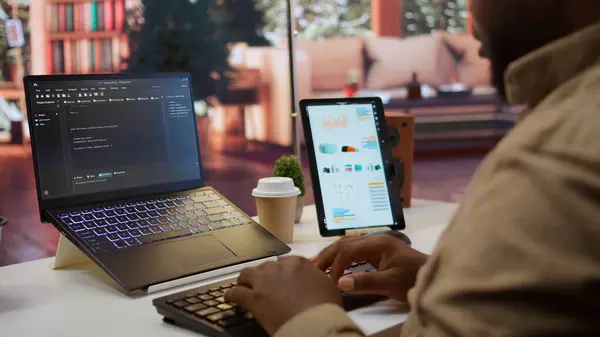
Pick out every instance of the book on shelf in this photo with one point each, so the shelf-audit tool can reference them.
(84, 56)
(92, 16)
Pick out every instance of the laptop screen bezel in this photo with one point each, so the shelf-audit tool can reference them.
(89, 199)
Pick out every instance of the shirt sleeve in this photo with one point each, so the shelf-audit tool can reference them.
(326, 320)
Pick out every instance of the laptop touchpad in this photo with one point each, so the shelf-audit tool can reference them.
(196, 252)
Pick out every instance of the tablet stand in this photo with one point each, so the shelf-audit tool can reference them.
(67, 255)
(366, 231)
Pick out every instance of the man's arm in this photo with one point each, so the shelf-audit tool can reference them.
(521, 257)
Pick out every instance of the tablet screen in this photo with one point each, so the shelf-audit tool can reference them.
(351, 168)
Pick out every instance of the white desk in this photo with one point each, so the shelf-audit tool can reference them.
(37, 301)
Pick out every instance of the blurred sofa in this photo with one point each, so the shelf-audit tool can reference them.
(382, 65)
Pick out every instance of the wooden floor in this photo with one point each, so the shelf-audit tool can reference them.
(232, 166)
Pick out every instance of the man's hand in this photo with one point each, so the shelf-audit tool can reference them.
(396, 262)
(275, 292)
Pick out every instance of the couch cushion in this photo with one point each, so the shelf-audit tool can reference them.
(333, 60)
(395, 60)
(471, 70)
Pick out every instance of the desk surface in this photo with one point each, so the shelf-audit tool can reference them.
(37, 301)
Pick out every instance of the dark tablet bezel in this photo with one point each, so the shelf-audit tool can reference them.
(386, 153)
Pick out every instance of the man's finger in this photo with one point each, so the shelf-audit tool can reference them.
(246, 277)
(368, 250)
(367, 283)
(240, 295)
(326, 257)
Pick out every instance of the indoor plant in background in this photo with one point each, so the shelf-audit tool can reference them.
(289, 167)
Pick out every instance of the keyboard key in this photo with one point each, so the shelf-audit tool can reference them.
(170, 204)
(194, 307)
(124, 235)
(179, 203)
(175, 225)
(74, 213)
(132, 242)
(133, 225)
(217, 293)
(130, 210)
(95, 240)
(102, 246)
(193, 300)
(226, 223)
(77, 227)
(145, 231)
(206, 297)
(163, 220)
(67, 221)
(162, 212)
(210, 204)
(86, 234)
(173, 211)
(166, 228)
(221, 315)
(165, 235)
(122, 227)
(172, 218)
(220, 299)
(98, 210)
(162, 200)
(156, 229)
(100, 231)
(110, 213)
(216, 210)
(143, 223)
(113, 237)
(141, 203)
(213, 289)
(184, 224)
(120, 206)
(214, 218)
(180, 304)
(151, 207)
(120, 211)
(120, 244)
(236, 221)
(140, 208)
(122, 219)
(101, 223)
(206, 312)
(99, 215)
(211, 303)
(112, 221)
(133, 217)
(224, 306)
(200, 198)
(161, 205)
(153, 214)
(63, 215)
(130, 204)
(153, 222)
(135, 233)
(112, 229)
(88, 217)
(77, 219)
(90, 225)
(198, 213)
(143, 215)
(109, 208)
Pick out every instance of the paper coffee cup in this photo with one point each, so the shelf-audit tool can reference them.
(276, 200)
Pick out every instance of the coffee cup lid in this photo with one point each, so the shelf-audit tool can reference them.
(276, 187)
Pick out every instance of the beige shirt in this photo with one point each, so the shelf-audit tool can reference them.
(522, 255)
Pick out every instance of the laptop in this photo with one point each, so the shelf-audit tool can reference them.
(119, 173)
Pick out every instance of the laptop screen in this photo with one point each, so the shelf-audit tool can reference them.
(95, 136)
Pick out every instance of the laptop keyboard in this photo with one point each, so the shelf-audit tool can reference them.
(132, 224)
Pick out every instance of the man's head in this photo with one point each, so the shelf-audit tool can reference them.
(510, 29)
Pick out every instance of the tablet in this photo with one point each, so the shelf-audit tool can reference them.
(350, 165)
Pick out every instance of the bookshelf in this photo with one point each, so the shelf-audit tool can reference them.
(84, 36)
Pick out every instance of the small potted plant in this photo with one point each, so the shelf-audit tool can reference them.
(351, 88)
(289, 167)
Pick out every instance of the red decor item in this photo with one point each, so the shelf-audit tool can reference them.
(350, 91)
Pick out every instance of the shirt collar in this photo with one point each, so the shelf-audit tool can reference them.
(533, 77)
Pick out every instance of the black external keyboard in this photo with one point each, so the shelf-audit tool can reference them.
(204, 309)
(131, 224)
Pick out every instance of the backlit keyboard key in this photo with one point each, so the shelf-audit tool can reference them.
(150, 207)
(77, 219)
(77, 227)
(166, 228)
(109, 208)
(153, 222)
(153, 214)
(86, 233)
(90, 225)
(87, 211)
(112, 229)
(112, 221)
(141, 203)
(88, 217)
(130, 210)
(140, 208)
(100, 231)
(101, 223)
(133, 217)
(143, 215)
(145, 231)
(122, 219)
(143, 223)
(110, 213)
(63, 215)
(99, 215)
(124, 235)
(132, 242)
(98, 210)
(155, 229)
(120, 211)
(113, 237)
(135, 233)
(74, 213)
(133, 225)
(120, 244)
(122, 227)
